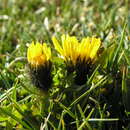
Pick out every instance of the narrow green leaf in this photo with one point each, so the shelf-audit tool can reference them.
(120, 44)
(87, 92)
(8, 113)
(125, 90)
(67, 110)
(28, 120)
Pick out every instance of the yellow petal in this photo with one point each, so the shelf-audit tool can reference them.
(38, 54)
(65, 46)
(31, 46)
(85, 48)
(63, 38)
(46, 51)
(95, 46)
(57, 45)
(73, 49)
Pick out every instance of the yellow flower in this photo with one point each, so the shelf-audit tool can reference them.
(78, 55)
(38, 54)
(68, 49)
(72, 50)
(88, 48)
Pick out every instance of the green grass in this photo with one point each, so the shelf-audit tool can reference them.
(102, 103)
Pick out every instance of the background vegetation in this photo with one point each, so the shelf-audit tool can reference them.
(102, 103)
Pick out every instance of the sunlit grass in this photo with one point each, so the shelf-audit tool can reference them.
(102, 102)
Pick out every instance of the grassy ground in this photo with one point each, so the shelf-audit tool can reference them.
(102, 103)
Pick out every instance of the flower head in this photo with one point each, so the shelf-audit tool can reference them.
(68, 49)
(73, 50)
(78, 55)
(88, 48)
(39, 56)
